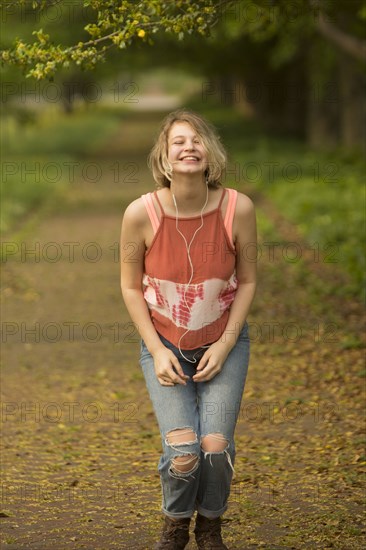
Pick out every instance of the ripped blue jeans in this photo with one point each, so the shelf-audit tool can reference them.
(197, 410)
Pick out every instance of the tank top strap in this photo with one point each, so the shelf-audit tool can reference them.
(150, 208)
(222, 198)
(230, 211)
(159, 203)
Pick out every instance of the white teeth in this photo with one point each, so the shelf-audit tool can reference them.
(189, 158)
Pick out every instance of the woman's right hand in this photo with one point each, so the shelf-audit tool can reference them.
(167, 368)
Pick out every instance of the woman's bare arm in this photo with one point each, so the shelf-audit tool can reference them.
(132, 251)
(245, 235)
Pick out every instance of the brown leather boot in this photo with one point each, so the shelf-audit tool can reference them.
(208, 533)
(175, 535)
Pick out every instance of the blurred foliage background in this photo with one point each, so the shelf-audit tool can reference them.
(284, 83)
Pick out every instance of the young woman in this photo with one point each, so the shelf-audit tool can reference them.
(188, 284)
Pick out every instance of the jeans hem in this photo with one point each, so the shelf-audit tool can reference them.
(209, 513)
(177, 515)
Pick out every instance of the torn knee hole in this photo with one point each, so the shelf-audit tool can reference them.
(181, 436)
(184, 463)
(214, 443)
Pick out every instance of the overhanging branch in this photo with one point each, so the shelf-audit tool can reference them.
(349, 44)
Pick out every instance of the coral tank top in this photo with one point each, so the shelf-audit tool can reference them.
(194, 315)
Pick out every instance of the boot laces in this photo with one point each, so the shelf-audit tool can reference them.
(210, 532)
(175, 532)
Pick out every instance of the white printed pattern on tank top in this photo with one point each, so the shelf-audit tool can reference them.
(207, 300)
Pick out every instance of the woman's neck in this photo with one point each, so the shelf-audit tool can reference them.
(190, 194)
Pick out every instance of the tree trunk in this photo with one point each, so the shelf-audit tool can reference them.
(323, 98)
(353, 112)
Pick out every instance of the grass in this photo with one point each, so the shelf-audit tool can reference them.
(43, 154)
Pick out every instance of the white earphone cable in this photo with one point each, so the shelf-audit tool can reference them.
(188, 248)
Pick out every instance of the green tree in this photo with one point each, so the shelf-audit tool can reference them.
(109, 23)
(119, 23)
(274, 59)
(315, 47)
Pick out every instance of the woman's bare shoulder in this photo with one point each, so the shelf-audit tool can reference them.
(244, 204)
(135, 213)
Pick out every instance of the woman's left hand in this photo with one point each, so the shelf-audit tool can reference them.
(212, 362)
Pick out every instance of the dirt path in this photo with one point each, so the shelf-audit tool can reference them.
(80, 442)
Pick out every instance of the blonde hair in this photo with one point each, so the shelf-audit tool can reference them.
(216, 154)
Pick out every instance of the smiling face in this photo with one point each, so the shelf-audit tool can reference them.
(187, 144)
(186, 152)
